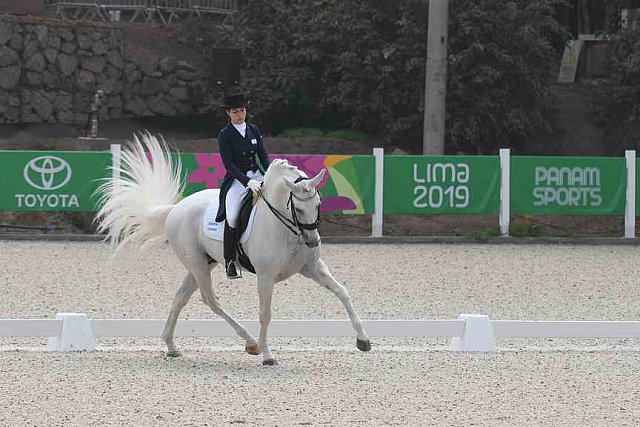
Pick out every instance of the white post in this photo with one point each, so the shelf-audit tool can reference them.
(377, 219)
(75, 335)
(116, 158)
(503, 218)
(630, 207)
(477, 335)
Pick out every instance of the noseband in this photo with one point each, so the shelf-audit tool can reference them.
(293, 223)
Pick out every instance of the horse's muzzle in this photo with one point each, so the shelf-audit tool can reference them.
(311, 241)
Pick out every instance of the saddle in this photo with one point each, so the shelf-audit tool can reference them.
(243, 220)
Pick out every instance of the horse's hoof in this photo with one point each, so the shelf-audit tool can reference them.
(270, 362)
(252, 349)
(363, 345)
(173, 353)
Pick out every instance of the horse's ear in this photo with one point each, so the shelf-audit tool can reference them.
(290, 184)
(318, 178)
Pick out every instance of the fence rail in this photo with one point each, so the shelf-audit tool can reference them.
(470, 332)
(364, 184)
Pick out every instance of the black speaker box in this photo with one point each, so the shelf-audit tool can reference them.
(226, 66)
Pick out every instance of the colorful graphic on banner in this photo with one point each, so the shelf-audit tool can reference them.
(441, 185)
(347, 188)
(51, 181)
(567, 185)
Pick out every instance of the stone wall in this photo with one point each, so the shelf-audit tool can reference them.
(50, 70)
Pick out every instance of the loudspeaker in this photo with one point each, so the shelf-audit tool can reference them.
(225, 66)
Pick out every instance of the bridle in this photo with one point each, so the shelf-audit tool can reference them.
(294, 222)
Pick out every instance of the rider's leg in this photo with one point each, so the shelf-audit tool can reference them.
(230, 249)
(232, 205)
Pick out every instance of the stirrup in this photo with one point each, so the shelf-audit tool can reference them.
(232, 271)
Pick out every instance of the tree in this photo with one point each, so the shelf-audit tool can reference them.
(361, 65)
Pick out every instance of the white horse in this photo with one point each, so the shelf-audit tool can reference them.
(142, 206)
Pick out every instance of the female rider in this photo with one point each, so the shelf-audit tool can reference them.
(246, 161)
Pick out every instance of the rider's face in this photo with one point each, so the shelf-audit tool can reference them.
(237, 115)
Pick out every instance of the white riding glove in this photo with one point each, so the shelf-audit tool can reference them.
(254, 185)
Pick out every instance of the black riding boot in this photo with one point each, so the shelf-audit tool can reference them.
(230, 249)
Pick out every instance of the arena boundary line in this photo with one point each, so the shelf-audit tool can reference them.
(470, 332)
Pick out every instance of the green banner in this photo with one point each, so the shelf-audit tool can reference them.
(441, 185)
(567, 185)
(51, 181)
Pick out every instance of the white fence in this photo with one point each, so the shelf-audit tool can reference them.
(470, 332)
(377, 224)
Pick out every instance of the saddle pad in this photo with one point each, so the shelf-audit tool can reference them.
(215, 230)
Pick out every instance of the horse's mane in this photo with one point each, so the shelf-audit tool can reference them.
(281, 168)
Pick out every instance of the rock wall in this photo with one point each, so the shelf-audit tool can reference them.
(50, 70)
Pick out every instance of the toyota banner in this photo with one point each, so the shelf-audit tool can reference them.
(51, 181)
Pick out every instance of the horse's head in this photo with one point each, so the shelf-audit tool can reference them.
(302, 198)
(304, 203)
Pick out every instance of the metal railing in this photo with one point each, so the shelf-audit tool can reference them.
(164, 11)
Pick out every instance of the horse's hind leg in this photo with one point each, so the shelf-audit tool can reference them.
(185, 291)
(319, 272)
(202, 274)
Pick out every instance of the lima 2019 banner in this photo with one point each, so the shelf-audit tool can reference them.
(65, 181)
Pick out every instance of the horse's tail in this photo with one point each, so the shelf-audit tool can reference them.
(136, 200)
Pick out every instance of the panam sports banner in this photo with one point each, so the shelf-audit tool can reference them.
(568, 185)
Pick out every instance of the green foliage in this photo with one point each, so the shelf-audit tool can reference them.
(346, 135)
(618, 107)
(301, 133)
(499, 65)
(360, 65)
(343, 135)
(524, 229)
(478, 234)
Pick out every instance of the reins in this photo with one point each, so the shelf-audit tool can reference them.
(294, 222)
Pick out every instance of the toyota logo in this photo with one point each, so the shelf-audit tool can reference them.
(47, 172)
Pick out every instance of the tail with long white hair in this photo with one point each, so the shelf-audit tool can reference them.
(136, 200)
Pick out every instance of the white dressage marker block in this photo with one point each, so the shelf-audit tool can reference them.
(477, 335)
(75, 334)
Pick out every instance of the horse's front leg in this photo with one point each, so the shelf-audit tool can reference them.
(265, 292)
(319, 272)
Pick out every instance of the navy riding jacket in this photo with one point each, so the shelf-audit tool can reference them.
(239, 156)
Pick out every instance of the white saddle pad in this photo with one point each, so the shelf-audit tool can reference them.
(215, 230)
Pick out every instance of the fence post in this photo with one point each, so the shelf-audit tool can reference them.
(630, 206)
(116, 159)
(377, 219)
(503, 218)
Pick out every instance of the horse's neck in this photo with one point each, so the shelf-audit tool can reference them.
(277, 197)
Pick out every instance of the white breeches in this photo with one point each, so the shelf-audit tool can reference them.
(235, 195)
